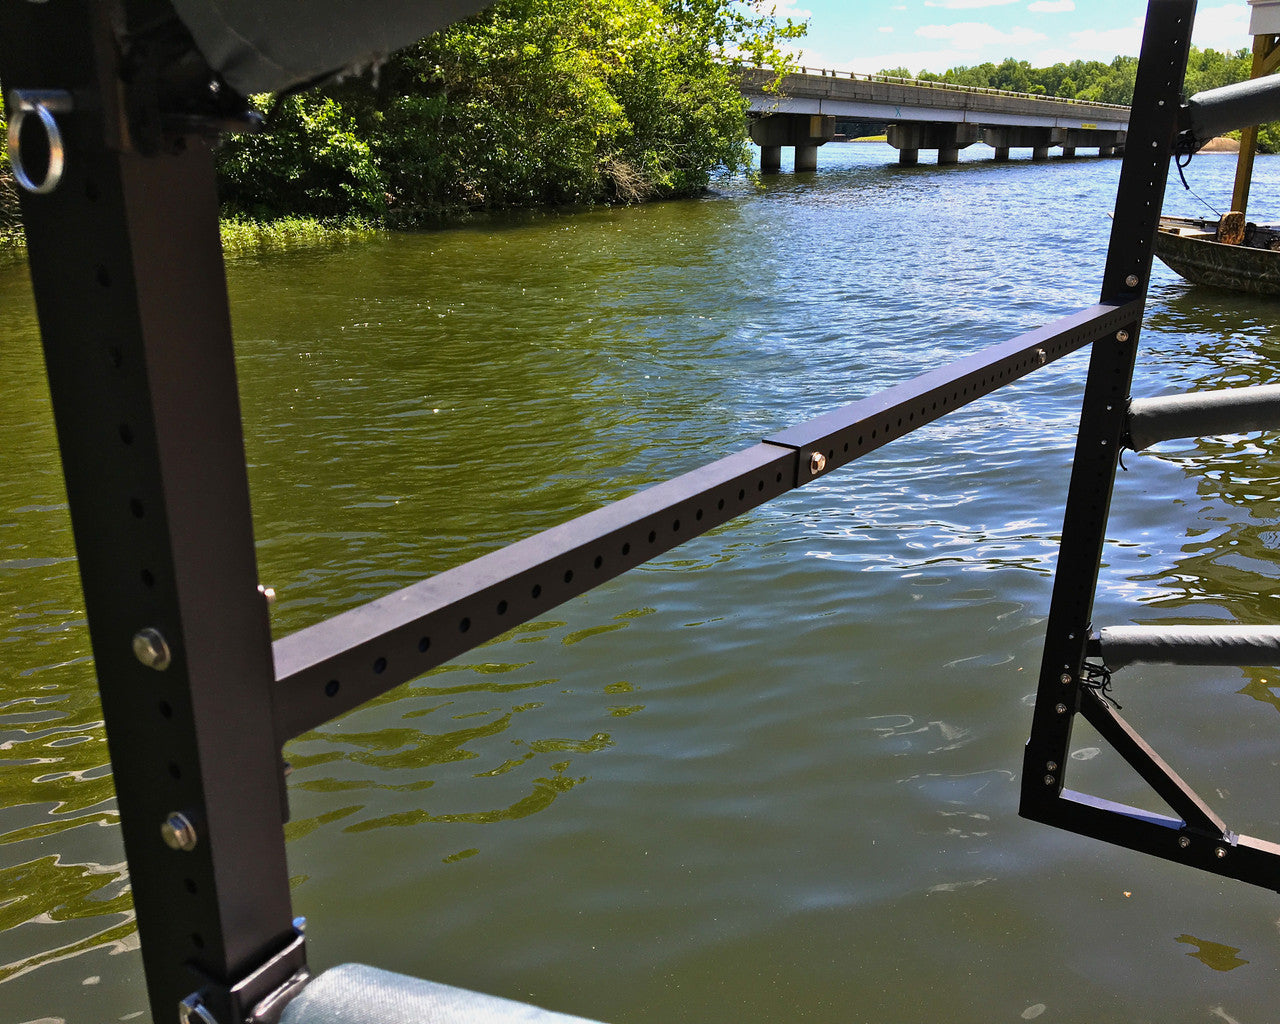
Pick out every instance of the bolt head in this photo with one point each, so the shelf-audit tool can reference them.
(1122, 336)
(151, 648)
(1052, 766)
(1048, 780)
(1042, 356)
(267, 592)
(1184, 841)
(1132, 280)
(1220, 852)
(817, 463)
(1061, 709)
(178, 833)
(1065, 679)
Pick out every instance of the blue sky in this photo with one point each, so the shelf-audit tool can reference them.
(867, 35)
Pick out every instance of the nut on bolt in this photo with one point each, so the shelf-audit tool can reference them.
(1122, 336)
(817, 463)
(269, 593)
(178, 833)
(151, 648)
(1184, 841)
(1131, 280)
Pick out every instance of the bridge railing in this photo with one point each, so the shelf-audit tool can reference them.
(949, 86)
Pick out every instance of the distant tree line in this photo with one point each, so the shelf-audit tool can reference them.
(531, 103)
(1101, 83)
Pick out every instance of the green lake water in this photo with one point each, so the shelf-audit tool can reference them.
(770, 776)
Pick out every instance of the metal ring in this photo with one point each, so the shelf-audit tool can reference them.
(53, 174)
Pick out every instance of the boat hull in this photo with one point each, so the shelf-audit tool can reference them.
(1186, 247)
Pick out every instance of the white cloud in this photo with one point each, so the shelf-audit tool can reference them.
(967, 5)
(1104, 44)
(975, 36)
(783, 9)
(1051, 6)
(1225, 29)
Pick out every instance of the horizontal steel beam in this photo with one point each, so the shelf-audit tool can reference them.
(329, 668)
(1235, 856)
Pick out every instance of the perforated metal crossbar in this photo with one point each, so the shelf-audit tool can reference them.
(337, 664)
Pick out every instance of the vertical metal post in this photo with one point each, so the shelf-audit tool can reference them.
(127, 272)
(1152, 128)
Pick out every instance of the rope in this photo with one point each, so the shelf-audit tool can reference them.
(1182, 154)
(1098, 679)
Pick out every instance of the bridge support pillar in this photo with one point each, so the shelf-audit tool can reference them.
(1068, 150)
(1002, 138)
(947, 139)
(806, 159)
(806, 132)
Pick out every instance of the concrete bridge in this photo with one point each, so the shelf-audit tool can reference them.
(808, 107)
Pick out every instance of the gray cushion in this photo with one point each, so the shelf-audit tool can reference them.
(356, 994)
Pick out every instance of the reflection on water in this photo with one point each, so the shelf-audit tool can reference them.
(773, 774)
(1213, 954)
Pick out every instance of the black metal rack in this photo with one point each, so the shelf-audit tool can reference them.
(129, 283)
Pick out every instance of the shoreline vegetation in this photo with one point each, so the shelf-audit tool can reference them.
(551, 104)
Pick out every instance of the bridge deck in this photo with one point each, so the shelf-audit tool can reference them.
(880, 98)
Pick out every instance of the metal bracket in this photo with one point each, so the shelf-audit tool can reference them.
(258, 998)
(44, 103)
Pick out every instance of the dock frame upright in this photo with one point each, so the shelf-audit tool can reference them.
(1195, 835)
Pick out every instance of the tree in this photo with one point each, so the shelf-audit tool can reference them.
(532, 102)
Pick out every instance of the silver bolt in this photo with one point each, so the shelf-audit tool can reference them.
(1042, 356)
(1048, 780)
(1052, 766)
(151, 648)
(268, 592)
(1065, 679)
(1184, 841)
(1132, 280)
(178, 833)
(817, 463)
(193, 1011)
(1123, 336)
(1061, 709)
(1220, 852)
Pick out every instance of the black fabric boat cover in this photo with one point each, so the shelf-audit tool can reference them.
(1190, 645)
(269, 45)
(1203, 414)
(1215, 111)
(356, 994)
